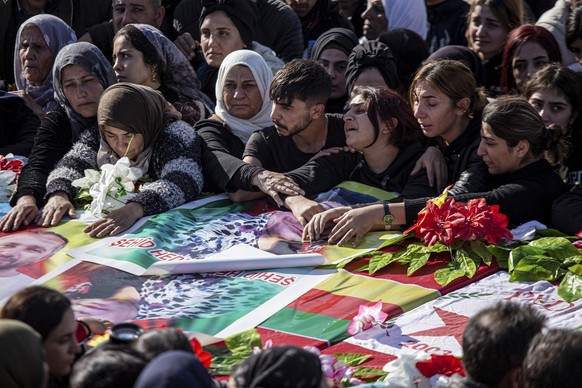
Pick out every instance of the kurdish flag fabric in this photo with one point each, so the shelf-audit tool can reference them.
(437, 327)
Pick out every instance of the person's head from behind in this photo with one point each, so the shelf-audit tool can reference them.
(409, 50)
(332, 50)
(553, 359)
(27, 247)
(513, 135)
(299, 92)
(108, 365)
(555, 93)
(379, 116)
(495, 342)
(371, 64)
(155, 342)
(175, 369)
(22, 362)
(574, 32)
(129, 131)
(375, 19)
(39, 39)
(81, 74)
(136, 59)
(49, 313)
(528, 49)
(137, 11)
(279, 366)
(242, 87)
(488, 24)
(444, 97)
(226, 26)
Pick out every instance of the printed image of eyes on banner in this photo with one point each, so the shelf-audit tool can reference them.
(216, 304)
(27, 255)
(196, 232)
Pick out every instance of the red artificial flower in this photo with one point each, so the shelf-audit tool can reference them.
(458, 220)
(440, 365)
(204, 357)
(11, 165)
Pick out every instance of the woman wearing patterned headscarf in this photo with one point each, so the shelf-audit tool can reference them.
(225, 134)
(137, 122)
(38, 41)
(81, 74)
(143, 55)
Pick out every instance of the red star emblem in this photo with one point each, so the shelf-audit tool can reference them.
(454, 326)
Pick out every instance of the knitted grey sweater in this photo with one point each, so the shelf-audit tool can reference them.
(174, 166)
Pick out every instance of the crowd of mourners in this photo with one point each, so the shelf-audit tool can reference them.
(286, 99)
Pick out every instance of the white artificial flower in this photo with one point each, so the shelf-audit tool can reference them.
(91, 177)
(403, 373)
(7, 185)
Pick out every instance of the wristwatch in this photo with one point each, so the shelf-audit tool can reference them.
(388, 218)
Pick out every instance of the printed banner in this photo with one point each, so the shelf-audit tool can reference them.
(217, 304)
(29, 254)
(221, 235)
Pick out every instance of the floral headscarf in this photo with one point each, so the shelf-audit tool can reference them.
(56, 34)
(263, 75)
(90, 58)
(177, 72)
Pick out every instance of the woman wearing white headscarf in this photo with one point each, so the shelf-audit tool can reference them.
(38, 41)
(242, 107)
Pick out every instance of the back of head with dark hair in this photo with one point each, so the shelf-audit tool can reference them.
(496, 340)
(301, 79)
(108, 365)
(409, 50)
(155, 342)
(574, 27)
(40, 307)
(553, 360)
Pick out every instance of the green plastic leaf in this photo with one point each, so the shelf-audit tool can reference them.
(367, 373)
(417, 263)
(394, 240)
(550, 233)
(377, 263)
(438, 247)
(446, 275)
(500, 253)
(571, 261)
(576, 268)
(243, 343)
(352, 359)
(466, 262)
(556, 247)
(481, 250)
(520, 252)
(570, 288)
(534, 268)
(411, 251)
(223, 365)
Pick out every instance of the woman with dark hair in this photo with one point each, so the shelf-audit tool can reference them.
(488, 24)
(555, 93)
(409, 50)
(136, 122)
(381, 128)
(81, 74)
(574, 33)
(227, 26)
(528, 49)
(49, 313)
(465, 55)
(144, 56)
(514, 144)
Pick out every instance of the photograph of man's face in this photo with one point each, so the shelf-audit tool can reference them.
(20, 249)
